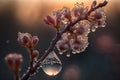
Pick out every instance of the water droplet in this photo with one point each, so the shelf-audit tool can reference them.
(52, 64)
(96, 26)
(93, 29)
(102, 25)
(60, 53)
(73, 52)
(68, 55)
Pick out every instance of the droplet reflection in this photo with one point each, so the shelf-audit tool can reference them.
(52, 64)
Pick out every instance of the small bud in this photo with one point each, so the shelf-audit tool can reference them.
(85, 11)
(49, 20)
(94, 4)
(78, 9)
(14, 61)
(9, 60)
(35, 40)
(35, 53)
(66, 13)
(18, 62)
(27, 40)
(98, 15)
(24, 38)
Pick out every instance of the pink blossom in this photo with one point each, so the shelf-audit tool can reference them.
(54, 20)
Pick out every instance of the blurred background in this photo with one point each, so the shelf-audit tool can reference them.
(100, 61)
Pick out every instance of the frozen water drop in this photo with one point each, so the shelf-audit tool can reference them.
(52, 64)
(73, 52)
(60, 53)
(96, 26)
(93, 29)
(68, 55)
(102, 25)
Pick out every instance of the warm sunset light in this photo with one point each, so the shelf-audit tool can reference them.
(31, 12)
(59, 39)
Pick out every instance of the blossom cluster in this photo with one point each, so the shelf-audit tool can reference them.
(29, 42)
(76, 39)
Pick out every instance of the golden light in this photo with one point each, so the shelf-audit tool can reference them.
(32, 12)
(51, 72)
(28, 11)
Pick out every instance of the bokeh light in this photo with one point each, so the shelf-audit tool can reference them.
(72, 73)
(105, 42)
(32, 12)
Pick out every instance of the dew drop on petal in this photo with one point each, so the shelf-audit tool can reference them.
(68, 55)
(102, 25)
(93, 29)
(73, 52)
(52, 64)
(60, 53)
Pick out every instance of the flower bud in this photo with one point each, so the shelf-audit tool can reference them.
(27, 40)
(35, 40)
(35, 53)
(94, 4)
(24, 38)
(78, 9)
(9, 60)
(66, 13)
(14, 61)
(49, 20)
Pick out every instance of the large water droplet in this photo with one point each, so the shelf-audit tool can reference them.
(52, 64)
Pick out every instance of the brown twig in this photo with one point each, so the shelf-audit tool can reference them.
(16, 76)
(56, 38)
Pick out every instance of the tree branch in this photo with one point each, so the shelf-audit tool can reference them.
(56, 38)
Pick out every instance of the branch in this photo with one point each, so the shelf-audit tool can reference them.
(56, 38)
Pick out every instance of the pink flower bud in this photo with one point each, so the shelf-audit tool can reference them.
(66, 13)
(35, 53)
(27, 39)
(35, 40)
(24, 38)
(85, 11)
(94, 4)
(14, 61)
(78, 9)
(9, 60)
(18, 62)
(49, 20)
